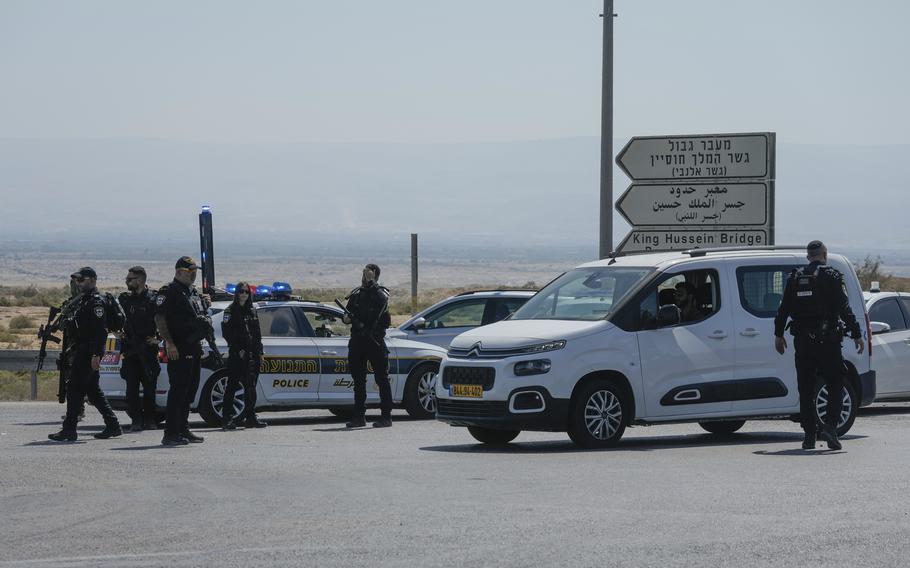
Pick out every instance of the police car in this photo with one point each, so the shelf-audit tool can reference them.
(304, 365)
(606, 346)
(889, 313)
(441, 322)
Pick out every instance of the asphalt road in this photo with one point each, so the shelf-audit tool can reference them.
(306, 492)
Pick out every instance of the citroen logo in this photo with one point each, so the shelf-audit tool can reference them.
(474, 351)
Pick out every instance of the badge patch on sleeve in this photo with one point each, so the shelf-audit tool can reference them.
(159, 300)
(99, 311)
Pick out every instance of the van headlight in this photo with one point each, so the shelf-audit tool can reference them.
(542, 347)
(533, 367)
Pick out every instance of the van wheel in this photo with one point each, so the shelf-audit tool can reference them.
(597, 418)
(849, 405)
(212, 399)
(420, 391)
(493, 437)
(723, 426)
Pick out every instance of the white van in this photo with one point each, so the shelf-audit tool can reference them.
(604, 346)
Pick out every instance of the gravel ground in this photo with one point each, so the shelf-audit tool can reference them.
(306, 492)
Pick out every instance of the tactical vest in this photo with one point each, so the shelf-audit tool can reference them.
(807, 304)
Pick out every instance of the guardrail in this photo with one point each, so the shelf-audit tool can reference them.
(18, 360)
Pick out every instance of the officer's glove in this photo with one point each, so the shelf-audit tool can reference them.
(780, 345)
(152, 341)
(860, 344)
(242, 353)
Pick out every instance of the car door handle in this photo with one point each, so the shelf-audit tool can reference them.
(749, 332)
(718, 334)
(330, 353)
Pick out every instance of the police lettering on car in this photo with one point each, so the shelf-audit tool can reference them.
(85, 332)
(815, 298)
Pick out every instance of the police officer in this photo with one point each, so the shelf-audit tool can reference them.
(140, 350)
(368, 314)
(86, 330)
(815, 298)
(240, 328)
(179, 314)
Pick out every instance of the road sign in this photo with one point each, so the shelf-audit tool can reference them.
(702, 156)
(695, 204)
(642, 240)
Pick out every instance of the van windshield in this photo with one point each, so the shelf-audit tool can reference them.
(582, 294)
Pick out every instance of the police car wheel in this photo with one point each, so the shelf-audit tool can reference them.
(420, 391)
(493, 437)
(597, 418)
(212, 399)
(849, 405)
(722, 426)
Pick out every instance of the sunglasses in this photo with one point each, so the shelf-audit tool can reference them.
(187, 269)
(131, 278)
(243, 292)
(80, 278)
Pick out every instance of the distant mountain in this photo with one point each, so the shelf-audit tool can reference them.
(488, 195)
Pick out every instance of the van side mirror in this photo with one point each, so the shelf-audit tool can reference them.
(419, 323)
(879, 327)
(668, 314)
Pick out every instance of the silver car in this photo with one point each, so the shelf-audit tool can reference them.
(889, 317)
(441, 322)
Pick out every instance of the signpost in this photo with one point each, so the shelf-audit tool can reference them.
(705, 190)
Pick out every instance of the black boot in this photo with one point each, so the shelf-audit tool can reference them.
(110, 431)
(62, 436)
(136, 425)
(149, 424)
(229, 425)
(829, 435)
(254, 422)
(809, 441)
(178, 441)
(384, 422)
(191, 438)
(356, 423)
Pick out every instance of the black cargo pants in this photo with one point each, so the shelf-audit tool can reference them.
(363, 350)
(818, 360)
(183, 376)
(84, 381)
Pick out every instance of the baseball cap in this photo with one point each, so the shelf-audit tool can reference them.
(84, 272)
(186, 262)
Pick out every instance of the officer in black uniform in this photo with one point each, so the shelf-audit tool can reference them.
(240, 328)
(179, 315)
(86, 329)
(139, 349)
(815, 298)
(368, 314)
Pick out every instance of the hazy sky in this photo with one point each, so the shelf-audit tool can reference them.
(814, 71)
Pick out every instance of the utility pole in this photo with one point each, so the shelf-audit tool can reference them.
(606, 135)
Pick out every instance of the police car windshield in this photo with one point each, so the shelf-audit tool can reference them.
(582, 294)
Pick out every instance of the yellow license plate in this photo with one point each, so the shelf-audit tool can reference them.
(472, 391)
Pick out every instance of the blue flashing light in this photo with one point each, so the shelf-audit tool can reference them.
(230, 288)
(206, 208)
(263, 290)
(281, 288)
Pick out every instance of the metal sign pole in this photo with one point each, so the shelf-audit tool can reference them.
(413, 272)
(606, 135)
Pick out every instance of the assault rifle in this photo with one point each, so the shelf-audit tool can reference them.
(215, 360)
(55, 320)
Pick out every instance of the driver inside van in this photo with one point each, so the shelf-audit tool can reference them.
(685, 299)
